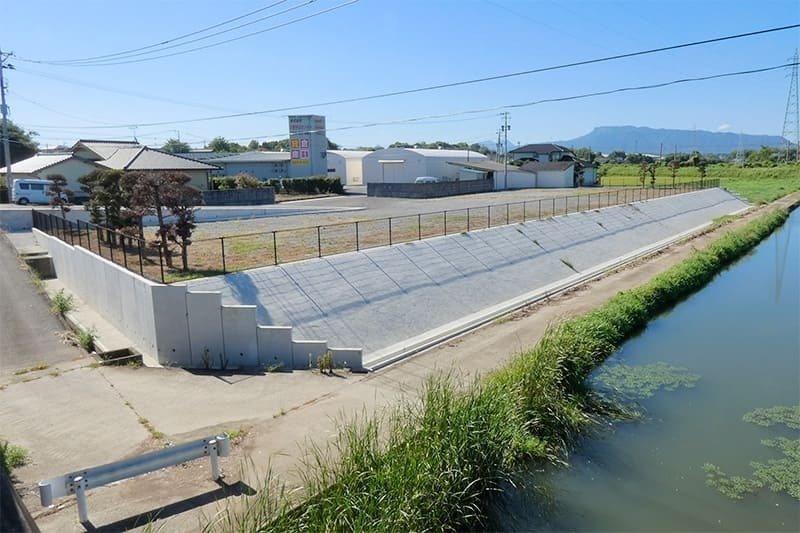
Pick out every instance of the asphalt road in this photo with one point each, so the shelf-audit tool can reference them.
(29, 333)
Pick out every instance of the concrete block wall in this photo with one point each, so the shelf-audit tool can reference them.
(429, 190)
(262, 196)
(183, 328)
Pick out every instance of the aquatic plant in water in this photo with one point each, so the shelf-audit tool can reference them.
(779, 475)
(642, 381)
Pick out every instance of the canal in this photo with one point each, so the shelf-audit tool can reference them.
(736, 347)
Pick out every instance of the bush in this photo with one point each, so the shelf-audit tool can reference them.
(246, 181)
(12, 456)
(312, 185)
(61, 303)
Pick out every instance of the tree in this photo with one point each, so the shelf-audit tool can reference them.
(674, 165)
(617, 156)
(156, 191)
(182, 200)
(176, 146)
(276, 146)
(221, 144)
(332, 145)
(107, 197)
(60, 195)
(252, 145)
(21, 144)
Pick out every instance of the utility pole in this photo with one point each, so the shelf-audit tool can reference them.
(504, 128)
(4, 111)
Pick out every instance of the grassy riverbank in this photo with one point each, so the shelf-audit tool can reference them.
(757, 184)
(430, 464)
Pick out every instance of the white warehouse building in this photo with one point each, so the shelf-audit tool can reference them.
(347, 165)
(404, 165)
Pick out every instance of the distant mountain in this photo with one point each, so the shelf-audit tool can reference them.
(492, 145)
(634, 139)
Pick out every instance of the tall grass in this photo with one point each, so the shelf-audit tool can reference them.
(429, 465)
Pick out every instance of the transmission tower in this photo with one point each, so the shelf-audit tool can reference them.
(791, 121)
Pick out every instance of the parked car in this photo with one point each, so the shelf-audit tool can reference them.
(30, 191)
(428, 179)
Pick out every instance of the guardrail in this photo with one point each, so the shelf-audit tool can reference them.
(90, 478)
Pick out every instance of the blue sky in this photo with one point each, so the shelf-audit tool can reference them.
(377, 46)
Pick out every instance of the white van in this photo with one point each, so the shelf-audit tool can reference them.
(30, 191)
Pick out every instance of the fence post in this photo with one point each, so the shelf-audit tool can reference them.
(222, 248)
(553, 212)
(540, 209)
(80, 240)
(124, 252)
(111, 245)
(445, 222)
(507, 215)
(488, 216)
(524, 211)
(319, 243)
(161, 261)
(141, 262)
(390, 231)
(358, 246)
(468, 220)
(419, 226)
(275, 246)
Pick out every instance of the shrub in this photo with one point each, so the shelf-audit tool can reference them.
(312, 185)
(246, 181)
(12, 456)
(61, 303)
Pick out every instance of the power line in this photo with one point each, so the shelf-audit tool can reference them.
(472, 81)
(424, 119)
(118, 60)
(190, 34)
(271, 28)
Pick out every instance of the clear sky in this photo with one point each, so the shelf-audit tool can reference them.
(376, 46)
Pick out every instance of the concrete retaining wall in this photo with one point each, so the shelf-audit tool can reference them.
(428, 190)
(181, 328)
(261, 196)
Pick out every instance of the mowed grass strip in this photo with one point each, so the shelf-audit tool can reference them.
(431, 463)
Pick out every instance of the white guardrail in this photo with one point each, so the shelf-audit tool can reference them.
(79, 482)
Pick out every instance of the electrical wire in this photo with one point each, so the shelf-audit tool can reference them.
(423, 119)
(118, 60)
(185, 35)
(477, 80)
(245, 36)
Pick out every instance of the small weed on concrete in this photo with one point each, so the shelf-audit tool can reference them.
(61, 303)
(86, 339)
(40, 366)
(12, 456)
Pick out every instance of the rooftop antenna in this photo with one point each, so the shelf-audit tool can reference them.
(791, 120)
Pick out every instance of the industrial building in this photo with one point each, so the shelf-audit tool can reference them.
(404, 165)
(347, 165)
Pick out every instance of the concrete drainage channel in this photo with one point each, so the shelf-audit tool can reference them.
(402, 350)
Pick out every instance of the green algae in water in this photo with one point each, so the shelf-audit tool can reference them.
(779, 475)
(780, 414)
(642, 381)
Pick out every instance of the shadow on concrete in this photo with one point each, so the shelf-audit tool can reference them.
(231, 377)
(236, 489)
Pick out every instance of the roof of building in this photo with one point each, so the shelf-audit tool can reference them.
(204, 155)
(535, 166)
(103, 149)
(486, 166)
(251, 157)
(145, 158)
(351, 154)
(544, 148)
(37, 163)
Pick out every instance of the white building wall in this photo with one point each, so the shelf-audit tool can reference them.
(555, 178)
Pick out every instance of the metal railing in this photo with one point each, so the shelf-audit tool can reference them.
(224, 254)
(90, 478)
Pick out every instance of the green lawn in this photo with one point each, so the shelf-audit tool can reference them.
(758, 184)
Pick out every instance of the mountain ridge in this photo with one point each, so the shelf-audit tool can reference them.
(641, 139)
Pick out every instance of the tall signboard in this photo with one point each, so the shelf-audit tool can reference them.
(308, 145)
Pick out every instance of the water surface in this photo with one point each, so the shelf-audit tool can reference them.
(741, 334)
